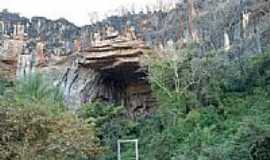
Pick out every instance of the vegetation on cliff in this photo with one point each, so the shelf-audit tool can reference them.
(209, 108)
(213, 96)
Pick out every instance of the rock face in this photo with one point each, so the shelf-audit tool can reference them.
(8, 58)
(95, 62)
(214, 24)
(111, 71)
(115, 56)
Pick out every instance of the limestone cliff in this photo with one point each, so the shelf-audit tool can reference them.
(96, 62)
(215, 24)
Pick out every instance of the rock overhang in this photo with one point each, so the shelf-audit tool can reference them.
(117, 59)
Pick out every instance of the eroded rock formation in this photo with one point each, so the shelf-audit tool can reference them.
(98, 63)
(9, 53)
(213, 23)
(110, 71)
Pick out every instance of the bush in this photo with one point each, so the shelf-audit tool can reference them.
(111, 123)
(38, 89)
(31, 133)
(4, 85)
(35, 126)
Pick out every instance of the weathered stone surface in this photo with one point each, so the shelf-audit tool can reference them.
(110, 71)
(8, 57)
(211, 20)
(7, 68)
(108, 66)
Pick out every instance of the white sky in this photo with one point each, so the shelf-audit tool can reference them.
(76, 11)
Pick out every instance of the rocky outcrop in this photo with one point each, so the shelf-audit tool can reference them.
(98, 63)
(9, 53)
(212, 23)
(114, 56)
(110, 71)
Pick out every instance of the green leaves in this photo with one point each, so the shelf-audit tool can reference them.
(4, 85)
(206, 111)
(39, 89)
(33, 134)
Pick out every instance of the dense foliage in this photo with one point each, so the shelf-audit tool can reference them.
(35, 126)
(210, 107)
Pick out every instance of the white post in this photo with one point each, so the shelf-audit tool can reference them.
(127, 141)
(226, 41)
(137, 149)
(118, 150)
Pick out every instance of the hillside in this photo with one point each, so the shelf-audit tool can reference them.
(189, 83)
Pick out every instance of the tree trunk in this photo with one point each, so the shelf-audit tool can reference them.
(190, 18)
(258, 40)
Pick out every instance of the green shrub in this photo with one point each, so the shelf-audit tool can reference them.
(31, 133)
(4, 85)
(110, 122)
(38, 89)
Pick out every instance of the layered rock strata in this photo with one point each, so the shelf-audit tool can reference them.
(111, 71)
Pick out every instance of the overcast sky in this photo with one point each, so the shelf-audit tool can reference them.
(76, 11)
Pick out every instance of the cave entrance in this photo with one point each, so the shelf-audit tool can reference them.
(131, 91)
(120, 74)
